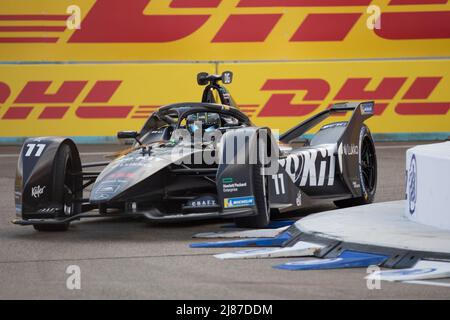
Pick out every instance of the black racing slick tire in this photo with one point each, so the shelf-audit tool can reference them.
(367, 171)
(66, 188)
(262, 218)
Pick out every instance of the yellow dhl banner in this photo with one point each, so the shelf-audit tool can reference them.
(410, 96)
(90, 100)
(98, 30)
(99, 100)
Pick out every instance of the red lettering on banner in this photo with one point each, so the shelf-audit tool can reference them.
(415, 25)
(4, 92)
(195, 3)
(248, 109)
(303, 3)
(34, 92)
(143, 112)
(123, 21)
(316, 89)
(354, 89)
(102, 91)
(28, 39)
(425, 108)
(17, 113)
(279, 105)
(326, 27)
(53, 112)
(33, 17)
(103, 112)
(247, 28)
(422, 88)
(31, 28)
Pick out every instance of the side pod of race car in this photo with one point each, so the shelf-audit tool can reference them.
(198, 160)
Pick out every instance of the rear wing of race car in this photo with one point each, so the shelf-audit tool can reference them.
(361, 112)
(346, 139)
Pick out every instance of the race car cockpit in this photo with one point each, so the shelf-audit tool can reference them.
(205, 121)
(216, 111)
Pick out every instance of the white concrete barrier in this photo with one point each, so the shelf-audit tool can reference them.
(428, 184)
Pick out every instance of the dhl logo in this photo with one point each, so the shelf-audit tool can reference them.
(353, 89)
(119, 21)
(55, 106)
(96, 102)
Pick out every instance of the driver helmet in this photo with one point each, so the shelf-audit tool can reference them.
(209, 121)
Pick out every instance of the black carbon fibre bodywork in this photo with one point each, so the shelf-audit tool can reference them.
(159, 179)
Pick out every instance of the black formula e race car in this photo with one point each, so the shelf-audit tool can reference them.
(201, 160)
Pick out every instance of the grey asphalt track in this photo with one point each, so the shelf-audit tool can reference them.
(133, 259)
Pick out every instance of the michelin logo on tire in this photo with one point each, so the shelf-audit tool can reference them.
(239, 202)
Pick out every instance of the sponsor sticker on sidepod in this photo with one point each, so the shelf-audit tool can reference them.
(239, 202)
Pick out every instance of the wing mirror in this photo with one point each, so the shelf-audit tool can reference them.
(202, 78)
(129, 135)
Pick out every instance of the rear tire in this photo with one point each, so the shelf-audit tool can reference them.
(66, 188)
(367, 172)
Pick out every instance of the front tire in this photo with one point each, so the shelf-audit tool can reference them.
(367, 171)
(66, 188)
